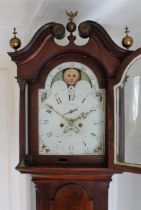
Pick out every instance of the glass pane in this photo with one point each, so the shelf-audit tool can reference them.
(128, 115)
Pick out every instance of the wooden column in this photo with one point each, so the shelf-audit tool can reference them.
(22, 130)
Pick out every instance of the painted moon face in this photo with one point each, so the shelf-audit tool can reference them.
(71, 76)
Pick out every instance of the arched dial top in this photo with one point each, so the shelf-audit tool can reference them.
(71, 112)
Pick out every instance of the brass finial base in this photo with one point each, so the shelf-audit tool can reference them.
(85, 29)
(15, 42)
(58, 31)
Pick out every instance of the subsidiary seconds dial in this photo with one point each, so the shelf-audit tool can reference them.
(71, 112)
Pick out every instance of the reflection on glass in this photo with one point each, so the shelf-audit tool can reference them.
(128, 115)
(135, 105)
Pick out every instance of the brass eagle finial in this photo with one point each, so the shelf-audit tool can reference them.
(71, 15)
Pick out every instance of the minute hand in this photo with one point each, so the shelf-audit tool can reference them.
(51, 108)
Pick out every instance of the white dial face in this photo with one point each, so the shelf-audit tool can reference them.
(71, 112)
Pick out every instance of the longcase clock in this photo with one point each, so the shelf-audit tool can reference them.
(79, 115)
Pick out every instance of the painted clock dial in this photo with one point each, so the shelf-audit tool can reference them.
(71, 112)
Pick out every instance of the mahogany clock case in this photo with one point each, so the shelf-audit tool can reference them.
(67, 181)
(35, 62)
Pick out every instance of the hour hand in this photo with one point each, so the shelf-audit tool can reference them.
(71, 111)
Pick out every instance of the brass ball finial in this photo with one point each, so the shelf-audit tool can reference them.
(15, 42)
(127, 41)
(71, 26)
